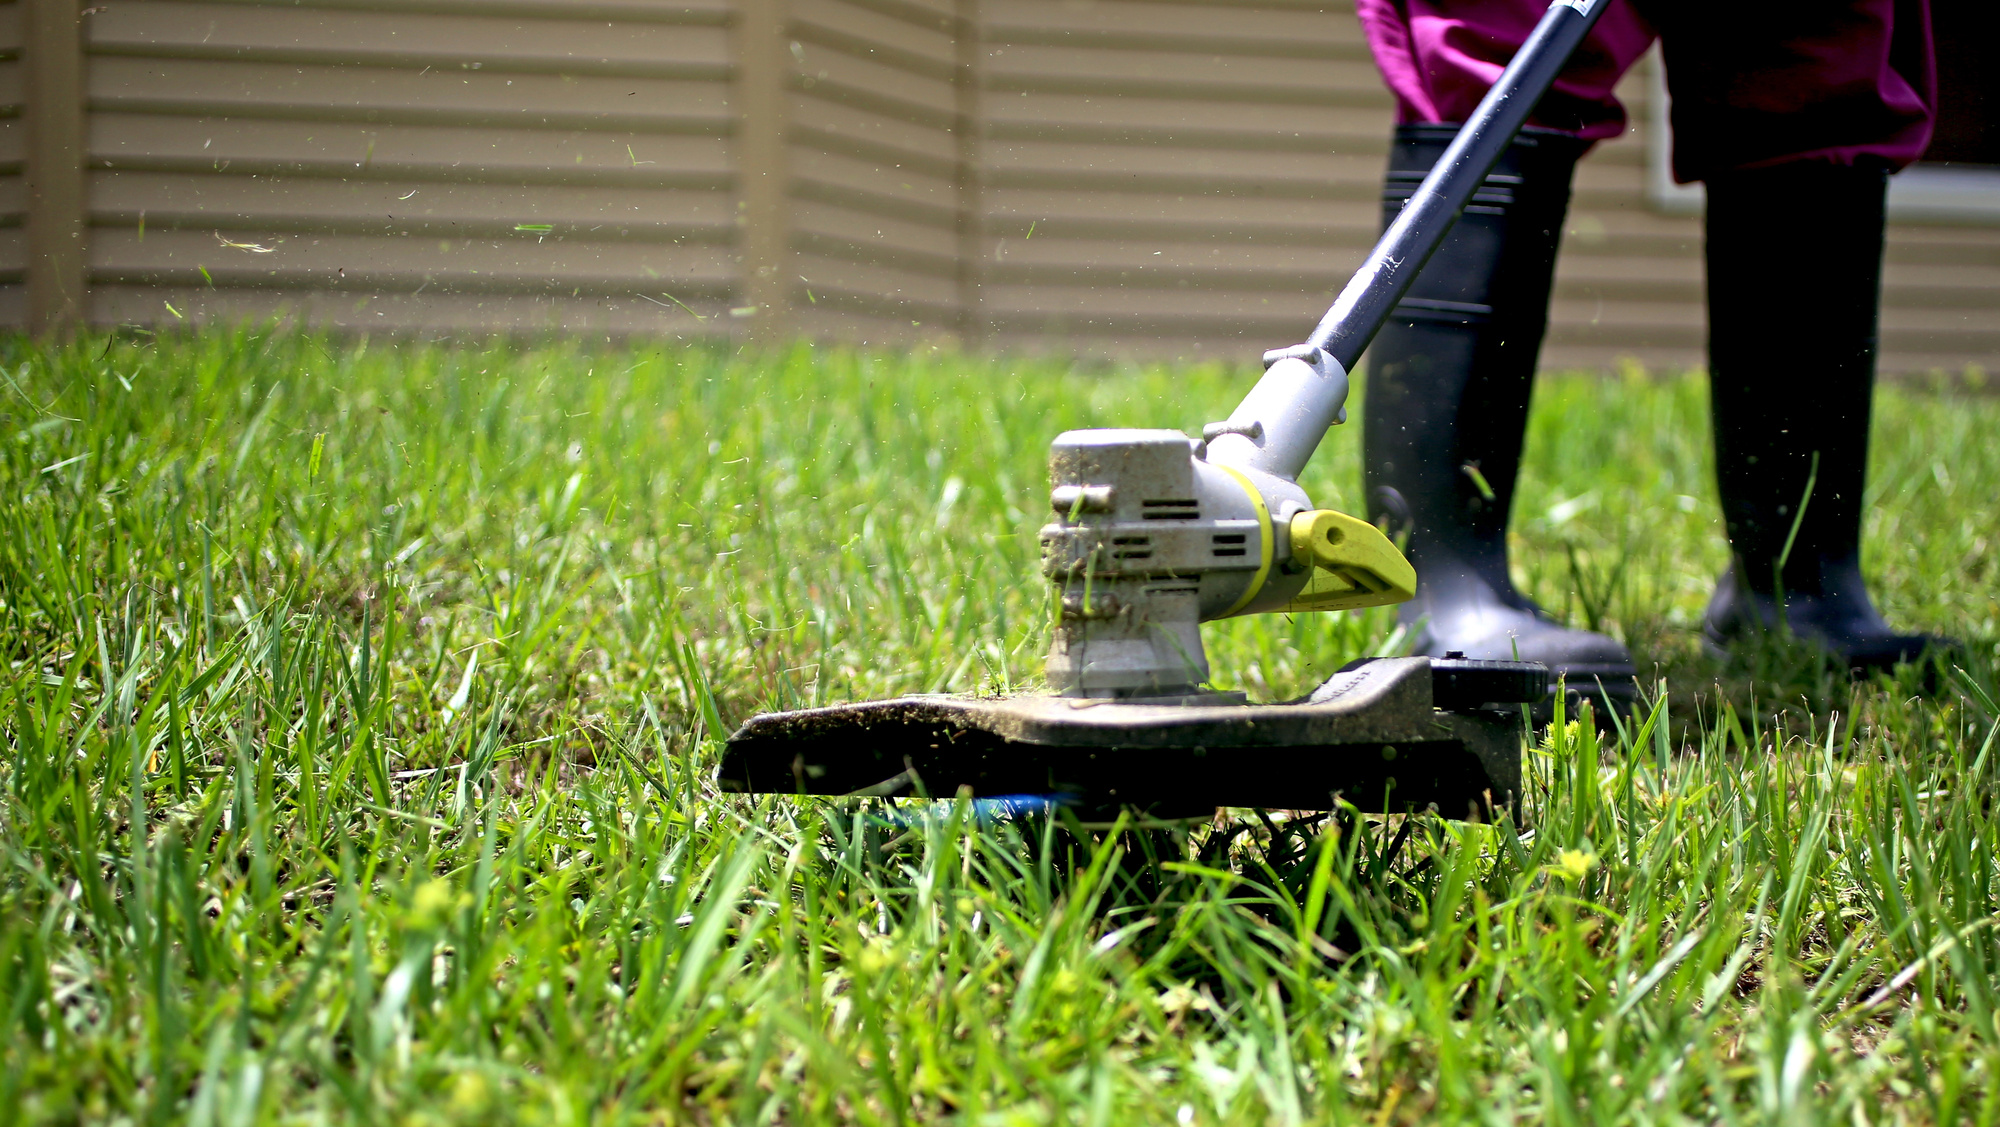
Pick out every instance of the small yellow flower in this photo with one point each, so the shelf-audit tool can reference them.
(431, 903)
(1573, 864)
(471, 1095)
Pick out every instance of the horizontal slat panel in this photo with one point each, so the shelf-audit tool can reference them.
(1239, 338)
(1634, 290)
(862, 326)
(1213, 28)
(389, 96)
(1573, 313)
(714, 13)
(896, 237)
(1323, 244)
(1598, 231)
(1587, 200)
(1940, 254)
(1137, 37)
(1193, 75)
(1589, 269)
(146, 142)
(1115, 301)
(927, 13)
(1168, 113)
(1958, 322)
(940, 269)
(358, 206)
(1298, 175)
(943, 216)
(1610, 338)
(829, 125)
(1596, 360)
(926, 95)
(1917, 234)
(408, 313)
(1964, 278)
(524, 263)
(10, 29)
(1682, 280)
(1263, 272)
(1913, 364)
(1176, 257)
(1207, 186)
(1207, 20)
(926, 46)
(13, 200)
(1320, 283)
(1017, 208)
(1631, 219)
(930, 116)
(1634, 246)
(883, 289)
(1973, 302)
(1601, 173)
(1169, 344)
(285, 33)
(934, 194)
(1171, 123)
(1943, 246)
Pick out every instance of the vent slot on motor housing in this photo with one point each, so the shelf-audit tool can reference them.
(1230, 544)
(1131, 547)
(1173, 509)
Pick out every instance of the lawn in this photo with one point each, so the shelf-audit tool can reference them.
(363, 701)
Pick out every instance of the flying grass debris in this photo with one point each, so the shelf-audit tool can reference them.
(676, 301)
(253, 248)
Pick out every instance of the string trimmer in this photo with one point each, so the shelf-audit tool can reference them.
(1154, 533)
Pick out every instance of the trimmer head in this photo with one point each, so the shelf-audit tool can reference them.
(1394, 734)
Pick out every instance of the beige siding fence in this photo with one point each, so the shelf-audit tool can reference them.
(1163, 178)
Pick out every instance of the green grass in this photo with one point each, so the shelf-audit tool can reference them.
(362, 704)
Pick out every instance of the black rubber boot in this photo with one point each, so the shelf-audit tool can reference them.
(1794, 285)
(1449, 378)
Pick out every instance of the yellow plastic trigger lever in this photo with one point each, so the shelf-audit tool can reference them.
(1353, 564)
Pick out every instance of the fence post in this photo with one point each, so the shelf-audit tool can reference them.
(58, 250)
(968, 129)
(763, 219)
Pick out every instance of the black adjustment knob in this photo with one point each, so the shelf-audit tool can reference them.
(1459, 682)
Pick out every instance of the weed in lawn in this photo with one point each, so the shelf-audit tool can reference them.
(363, 700)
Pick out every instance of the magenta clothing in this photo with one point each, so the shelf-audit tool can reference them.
(1753, 84)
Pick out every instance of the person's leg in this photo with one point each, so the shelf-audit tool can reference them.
(1794, 124)
(1449, 380)
(1794, 277)
(1449, 376)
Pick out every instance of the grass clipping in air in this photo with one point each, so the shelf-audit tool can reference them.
(362, 706)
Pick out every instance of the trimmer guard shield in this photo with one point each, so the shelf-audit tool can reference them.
(1369, 736)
